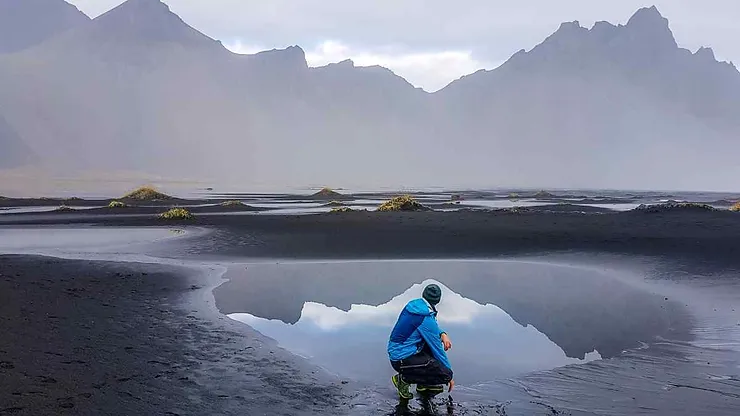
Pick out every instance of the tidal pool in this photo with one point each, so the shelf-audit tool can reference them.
(506, 318)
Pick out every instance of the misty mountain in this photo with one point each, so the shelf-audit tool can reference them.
(14, 152)
(139, 89)
(24, 23)
(611, 101)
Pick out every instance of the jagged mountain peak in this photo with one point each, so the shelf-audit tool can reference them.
(648, 15)
(644, 47)
(150, 20)
(651, 27)
(292, 57)
(144, 5)
(705, 52)
(647, 28)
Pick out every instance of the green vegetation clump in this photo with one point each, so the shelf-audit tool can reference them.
(735, 208)
(514, 196)
(117, 204)
(334, 204)
(543, 194)
(232, 204)
(176, 214)
(341, 209)
(327, 193)
(673, 206)
(146, 193)
(402, 203)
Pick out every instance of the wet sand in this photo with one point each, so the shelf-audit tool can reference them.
(97, 338)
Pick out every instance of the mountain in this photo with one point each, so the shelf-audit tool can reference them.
(601, 104)
(24, 23)
(111, 94)
(14, 152)
(150, 93)
(137, 89)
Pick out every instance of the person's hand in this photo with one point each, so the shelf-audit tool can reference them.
(446, 342)
(451, 385)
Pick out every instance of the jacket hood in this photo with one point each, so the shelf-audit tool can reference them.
(419, 307)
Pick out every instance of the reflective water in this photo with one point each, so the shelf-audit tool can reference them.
(23, 210)
(503, 203)
(58, 240)
(488, 342)
(506, 318)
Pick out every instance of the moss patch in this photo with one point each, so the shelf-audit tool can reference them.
(117, 204)
(341, 209)
(402, 203)
(674, 207)
(735, 208)
(232, 204)
(176, 214)
(543, 194)
(146, 193)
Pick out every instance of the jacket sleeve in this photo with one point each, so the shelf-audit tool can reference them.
(430, 331)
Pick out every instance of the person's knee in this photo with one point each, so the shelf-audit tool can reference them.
(449, 375)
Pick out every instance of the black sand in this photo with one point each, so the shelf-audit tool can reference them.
(185, 361)
(704, 236)
(93, 338)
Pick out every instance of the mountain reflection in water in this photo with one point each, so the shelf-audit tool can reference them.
(488, 343)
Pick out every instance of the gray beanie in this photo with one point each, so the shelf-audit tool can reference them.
(432, 294)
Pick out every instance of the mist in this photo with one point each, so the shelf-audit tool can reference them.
(137, 90)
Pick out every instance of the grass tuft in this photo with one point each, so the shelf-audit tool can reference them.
(232, 204)
(674, 206)
(341, 209)
(402, 203)
(735, 208)
(146, 193)
(117, 204)
(176, 214)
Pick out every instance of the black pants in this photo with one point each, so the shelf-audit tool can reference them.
(423, 369)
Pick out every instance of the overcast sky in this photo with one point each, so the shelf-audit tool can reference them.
(432, 42)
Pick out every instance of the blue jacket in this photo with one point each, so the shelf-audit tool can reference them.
(416, 326)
